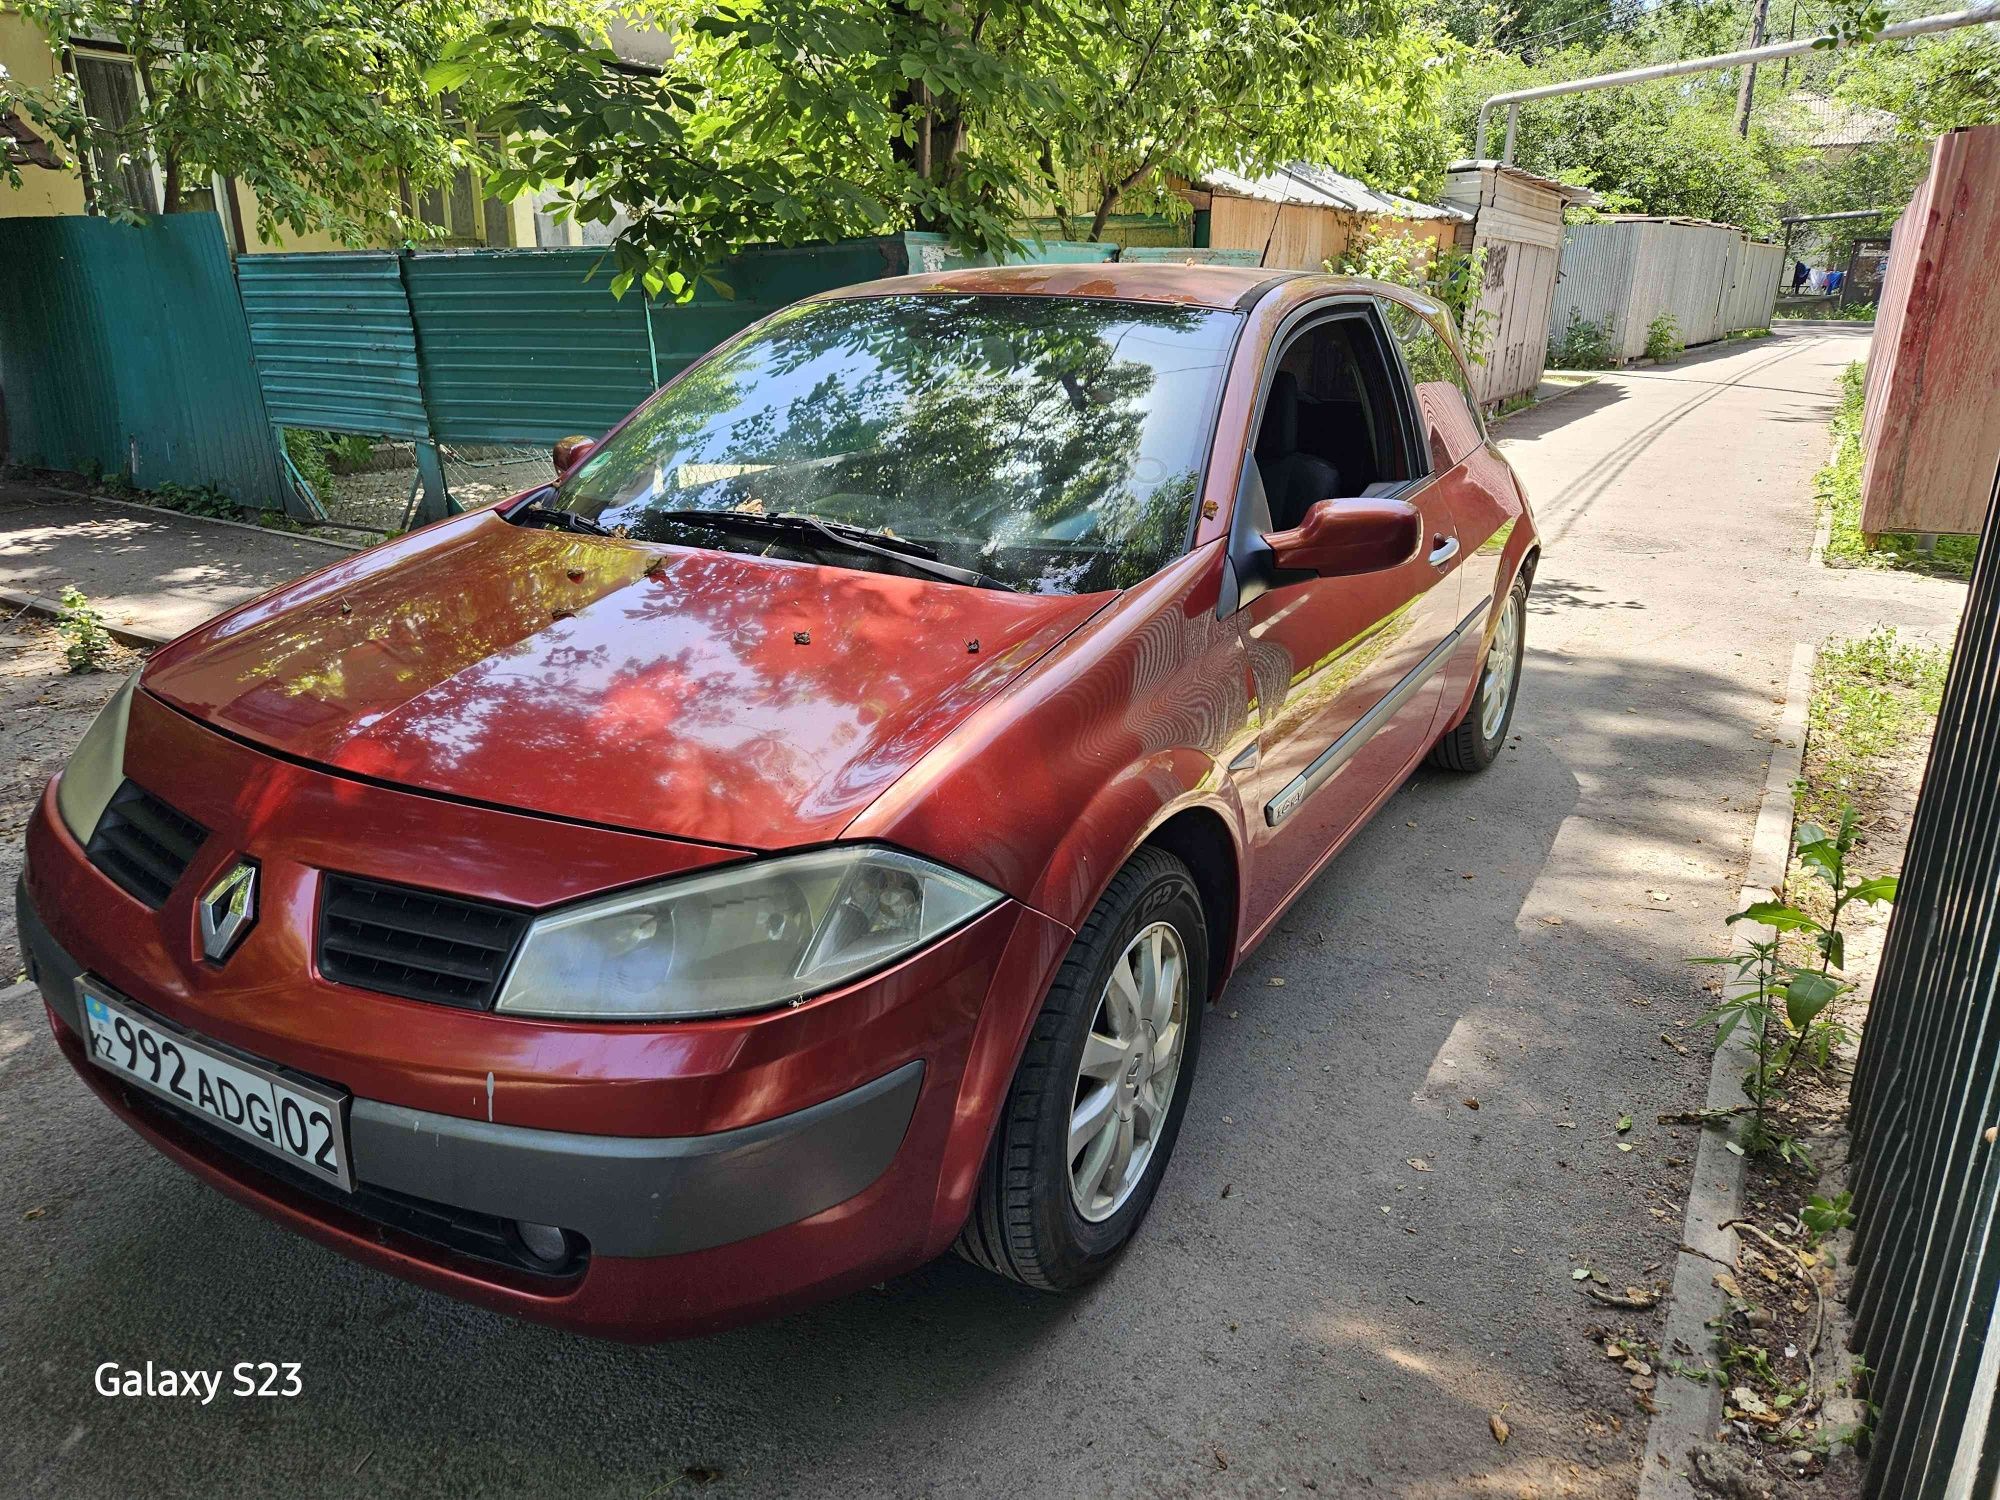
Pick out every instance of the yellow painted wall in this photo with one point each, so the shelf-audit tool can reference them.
(27, 58)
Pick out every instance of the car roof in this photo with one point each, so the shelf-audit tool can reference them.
(1183, 285)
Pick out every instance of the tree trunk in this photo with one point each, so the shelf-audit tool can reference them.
(170, 184)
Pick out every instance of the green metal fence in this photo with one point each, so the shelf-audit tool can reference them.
(450, 349)
(1926, 1167)
(123, 349)
(132, 349)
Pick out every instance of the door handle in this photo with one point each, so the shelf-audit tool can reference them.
(1443, 549)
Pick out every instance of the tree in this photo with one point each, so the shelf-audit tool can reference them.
(319, 106)
(1169, 88)
(794, 120)
(1930, 83)
(1659, 148)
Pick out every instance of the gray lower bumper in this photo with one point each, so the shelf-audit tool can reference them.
(630, 1196)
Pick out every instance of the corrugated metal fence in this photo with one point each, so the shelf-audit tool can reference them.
(134, 348)
(123, 348)
(1926, 1169)
(516, 346)
(1622, 274)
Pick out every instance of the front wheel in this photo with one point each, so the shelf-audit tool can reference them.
(1474, 742)
(1090, 1122)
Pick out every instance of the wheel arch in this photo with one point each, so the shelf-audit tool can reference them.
(1199, 837)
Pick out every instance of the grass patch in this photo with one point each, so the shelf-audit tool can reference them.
(1748, 333)
(1874, 699)
(1838, 488)
(1829, 312)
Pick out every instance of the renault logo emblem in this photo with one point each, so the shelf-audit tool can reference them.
(227, 910)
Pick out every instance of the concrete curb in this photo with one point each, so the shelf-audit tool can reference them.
(125, 635)
(1688, 1412)
(18, 992)
(181, 515)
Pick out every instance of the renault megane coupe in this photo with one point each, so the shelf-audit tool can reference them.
(802, 838)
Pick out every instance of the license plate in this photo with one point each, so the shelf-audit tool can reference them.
(294, 1121)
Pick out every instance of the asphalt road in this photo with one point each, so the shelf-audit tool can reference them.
(1305, 1309)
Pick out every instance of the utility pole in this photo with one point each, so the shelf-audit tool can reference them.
(1749, 87)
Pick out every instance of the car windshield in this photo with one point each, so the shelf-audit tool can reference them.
(1052, 444)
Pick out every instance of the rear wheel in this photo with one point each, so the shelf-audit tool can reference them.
(1090, 1121)
(1474, 742)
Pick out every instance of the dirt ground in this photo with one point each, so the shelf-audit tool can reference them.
(45, 708)
(1782, 1347)
(379, 496)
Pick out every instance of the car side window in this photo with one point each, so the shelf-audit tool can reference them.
(1335, 424)
(1445, 398)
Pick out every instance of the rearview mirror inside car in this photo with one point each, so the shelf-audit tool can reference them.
(1341, 537)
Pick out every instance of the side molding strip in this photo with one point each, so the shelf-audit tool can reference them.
(1342, 750)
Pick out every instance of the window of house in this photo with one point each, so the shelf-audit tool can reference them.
(1335, 424)
(120, 173)
(466, 216)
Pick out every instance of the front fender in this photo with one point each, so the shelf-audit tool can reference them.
(1046, 789)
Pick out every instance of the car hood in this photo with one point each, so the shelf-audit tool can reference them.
(705, 695)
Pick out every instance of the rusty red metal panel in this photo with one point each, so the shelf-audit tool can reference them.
(1931, 424)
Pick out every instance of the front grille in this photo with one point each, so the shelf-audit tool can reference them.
(143, 844)
(416, 944)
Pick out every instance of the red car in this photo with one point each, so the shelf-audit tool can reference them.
(804, 837)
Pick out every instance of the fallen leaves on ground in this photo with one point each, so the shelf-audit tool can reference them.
(1499, 1427)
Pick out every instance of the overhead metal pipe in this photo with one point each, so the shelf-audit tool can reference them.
(1976, 15)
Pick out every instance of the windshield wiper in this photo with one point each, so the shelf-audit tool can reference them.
(913, 555)
(535, 513)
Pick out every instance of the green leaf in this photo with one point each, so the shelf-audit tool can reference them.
(1876, 888)
(1822, 855)
(1624, 1123)
(1807, 995)
(1778, 915)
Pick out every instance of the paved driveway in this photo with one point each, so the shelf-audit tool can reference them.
(1306, 1309)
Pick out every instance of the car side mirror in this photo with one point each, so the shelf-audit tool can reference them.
(1338, 538)
(571, 451)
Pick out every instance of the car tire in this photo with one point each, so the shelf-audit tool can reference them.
(1469, 746)
(1031, 1220)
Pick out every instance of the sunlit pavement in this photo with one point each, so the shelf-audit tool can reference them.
(1305, 1307)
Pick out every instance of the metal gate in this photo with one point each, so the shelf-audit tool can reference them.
(1926, 1174)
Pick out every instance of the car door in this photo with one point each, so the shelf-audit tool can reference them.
(1470, 478)
(1344, 668)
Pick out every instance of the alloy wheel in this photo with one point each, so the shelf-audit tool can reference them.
(1496, 688)
(1130, 1066)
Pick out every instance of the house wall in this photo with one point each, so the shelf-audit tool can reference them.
(26, 57)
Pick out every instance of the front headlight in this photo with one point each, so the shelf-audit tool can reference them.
(96, 766)
(758, 934)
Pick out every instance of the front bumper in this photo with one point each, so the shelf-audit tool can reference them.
(625, 1195)
(720, 1170)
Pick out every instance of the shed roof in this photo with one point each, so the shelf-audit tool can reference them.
(1570, 192)
(1313, 186)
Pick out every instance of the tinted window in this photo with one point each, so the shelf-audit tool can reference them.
(1444, 395)
(1054, 444)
